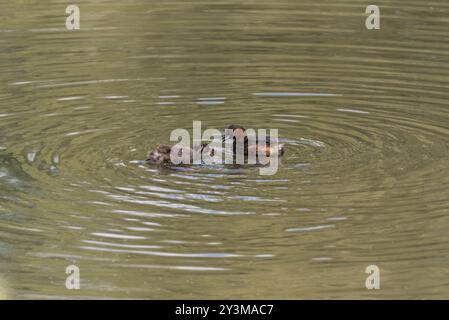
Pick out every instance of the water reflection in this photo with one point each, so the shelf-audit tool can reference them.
(363, 116)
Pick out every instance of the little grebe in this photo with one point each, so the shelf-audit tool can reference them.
(161, 155)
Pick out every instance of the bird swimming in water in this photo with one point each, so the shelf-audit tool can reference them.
(261, 145)
(161, 155)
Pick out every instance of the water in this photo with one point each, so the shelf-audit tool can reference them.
(363, 181)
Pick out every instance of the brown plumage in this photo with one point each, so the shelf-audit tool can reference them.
(161, 155)
(261, 146)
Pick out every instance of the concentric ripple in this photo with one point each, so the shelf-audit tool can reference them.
(363, 116)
